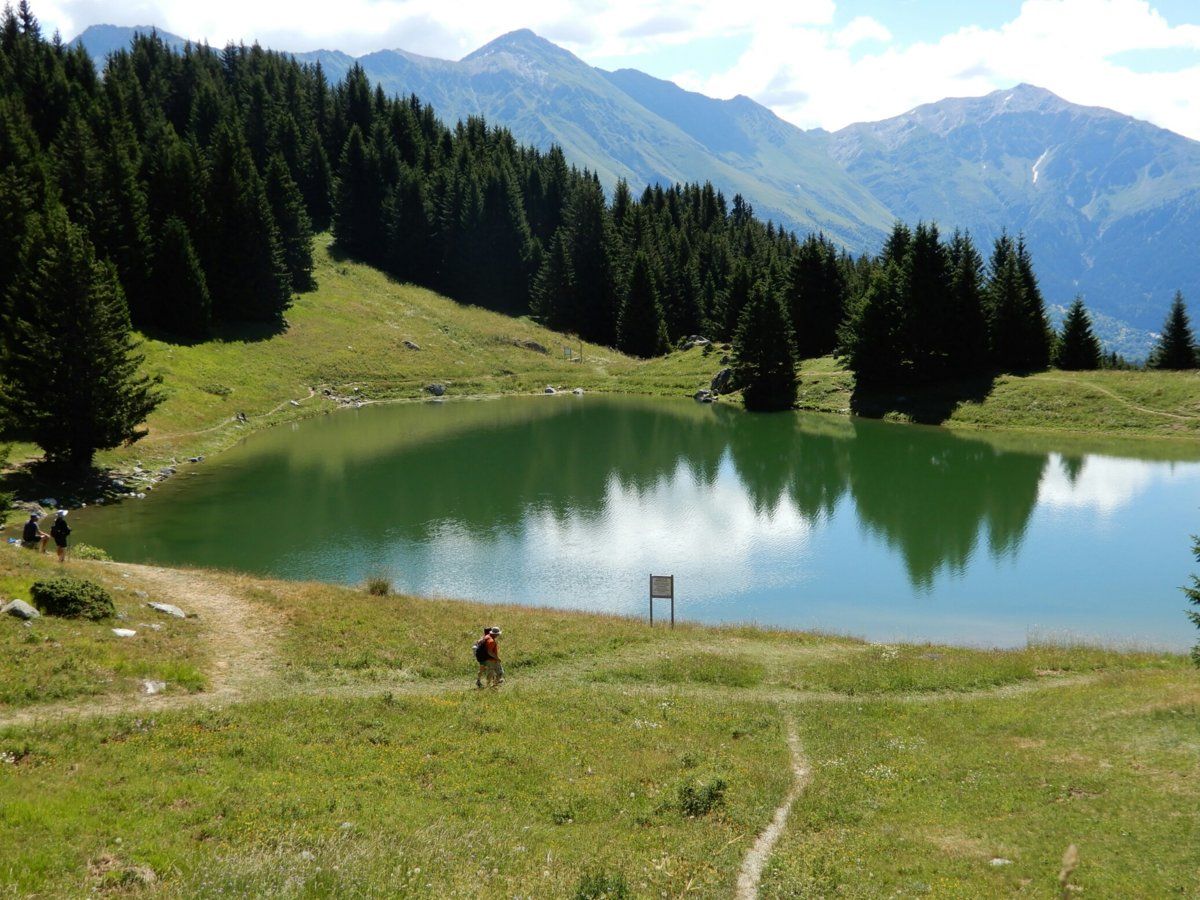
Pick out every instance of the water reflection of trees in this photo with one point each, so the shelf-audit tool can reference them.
(928, 494)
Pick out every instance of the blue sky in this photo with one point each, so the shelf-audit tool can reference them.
(814, 62)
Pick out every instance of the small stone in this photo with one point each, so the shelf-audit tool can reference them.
(20, 609)
(578, 392)
(294, 402)
(153, 687)
(1001, 861)
(412, 345)
(550, 390)
(436, 389)
(124, 632)
(167, 609)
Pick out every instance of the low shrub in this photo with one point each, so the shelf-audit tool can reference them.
(378, 587)
(72, 598)
(699, 798)
(87, 551)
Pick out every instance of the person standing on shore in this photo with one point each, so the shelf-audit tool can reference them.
(60, 531)
(495, 669)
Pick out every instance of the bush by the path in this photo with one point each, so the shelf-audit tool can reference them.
(72, 598)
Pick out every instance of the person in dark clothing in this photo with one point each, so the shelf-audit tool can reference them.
(32, 536)
(60, 530)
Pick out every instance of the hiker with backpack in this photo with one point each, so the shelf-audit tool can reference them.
(487, 654)
(59, 531)
(33, 536)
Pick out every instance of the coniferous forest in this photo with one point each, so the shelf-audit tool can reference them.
(197, 178)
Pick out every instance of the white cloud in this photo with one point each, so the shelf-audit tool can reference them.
(797, 61)
(862, 28)
(1063, 45)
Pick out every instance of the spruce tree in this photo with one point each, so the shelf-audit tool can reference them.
(295, 228)
(358, 223)
(966, 316)
(1078, 348)
(764, 358)
(641, 330)
(871, 340)
(1007, 307)
(317, 184)
(410, 230)
(926, 299)
(732, 301)
(553, 296)
(1176, 347)
(1037, 335)
(243, 260)
(70, 365)
(816, 295)
(590, 241)
(178, 288)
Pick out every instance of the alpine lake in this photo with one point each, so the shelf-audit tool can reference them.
(884, 531)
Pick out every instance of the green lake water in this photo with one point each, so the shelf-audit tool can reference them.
(889, 532)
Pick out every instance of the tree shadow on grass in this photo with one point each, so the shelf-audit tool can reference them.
(926, 404)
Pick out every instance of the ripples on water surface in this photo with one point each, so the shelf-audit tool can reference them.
(886, 531)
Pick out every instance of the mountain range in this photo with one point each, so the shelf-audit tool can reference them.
(1110, 205)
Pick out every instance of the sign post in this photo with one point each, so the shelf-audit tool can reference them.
(662, 587)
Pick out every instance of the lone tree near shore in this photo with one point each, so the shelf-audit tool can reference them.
(1078, 347)
(69, 375)
(1176, 348)
(764, 355)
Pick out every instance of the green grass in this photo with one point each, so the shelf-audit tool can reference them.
(62, 659)
(363, 762)
(919, 799)
(525, 791)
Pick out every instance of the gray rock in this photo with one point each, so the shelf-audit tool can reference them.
(531, 345)
(436, 389)
(550, 390)
(722, 382)
(20, 609)
(578, 392)
(124, 632)
(294, 402)
(412, 345)
(696, 341)
(703, 395)
(168, 609)
(154, 687)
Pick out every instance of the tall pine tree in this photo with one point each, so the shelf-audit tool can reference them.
(764, 359)
(641, 330)
(1176, 347)
(70, 366)
(1078, 348)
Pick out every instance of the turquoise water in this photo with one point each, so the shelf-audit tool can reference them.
(889, 532)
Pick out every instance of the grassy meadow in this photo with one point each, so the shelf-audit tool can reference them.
(617, 760)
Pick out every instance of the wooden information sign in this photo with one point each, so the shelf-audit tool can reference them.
(662, 587)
